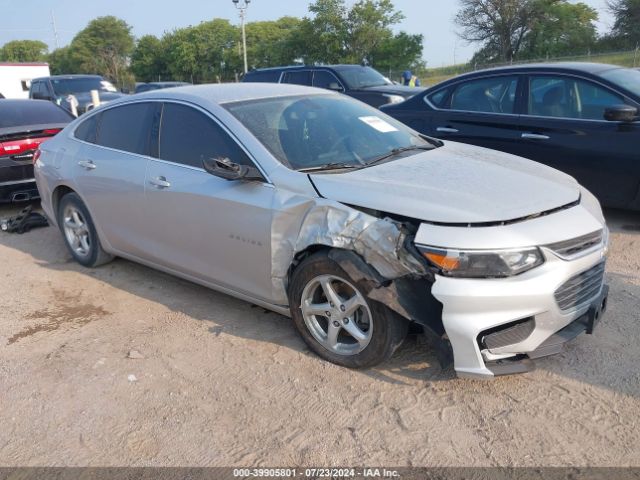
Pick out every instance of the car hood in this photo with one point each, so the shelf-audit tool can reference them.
(454, 184)
(401, 90)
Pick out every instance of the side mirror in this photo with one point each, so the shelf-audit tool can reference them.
(621, 113)
(335, 86)
(225, 168)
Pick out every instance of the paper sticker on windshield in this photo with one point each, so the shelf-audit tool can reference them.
(379, 124)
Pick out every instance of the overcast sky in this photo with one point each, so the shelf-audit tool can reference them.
(31, 19)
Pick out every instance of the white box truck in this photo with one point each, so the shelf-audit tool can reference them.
(15, 78)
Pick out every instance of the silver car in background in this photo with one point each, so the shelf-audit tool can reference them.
(317, 206)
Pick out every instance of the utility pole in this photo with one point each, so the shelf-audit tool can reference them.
(55, 30)
(242, 7)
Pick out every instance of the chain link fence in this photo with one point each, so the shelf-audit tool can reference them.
(431, 76)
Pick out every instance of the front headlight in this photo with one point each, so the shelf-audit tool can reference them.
(482, 263)
(394, 98)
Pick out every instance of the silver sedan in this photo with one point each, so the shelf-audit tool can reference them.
(320, 207)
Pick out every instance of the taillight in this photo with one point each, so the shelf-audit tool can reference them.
(36, 155)
(17, 149)
(52, 131)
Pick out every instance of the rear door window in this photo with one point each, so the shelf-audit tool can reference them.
(297, 77)
(325, 79)
(188, 136)
(490, 95)
(569, 97)
(127, 128)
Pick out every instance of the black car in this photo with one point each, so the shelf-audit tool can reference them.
(58, 88)
(147, 87)
(24, 125)
(580, 118)
(363, 83)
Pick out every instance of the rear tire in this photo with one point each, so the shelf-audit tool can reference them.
(337, 320)
(79, 232)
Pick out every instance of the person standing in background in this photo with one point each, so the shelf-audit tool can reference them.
(409, 79)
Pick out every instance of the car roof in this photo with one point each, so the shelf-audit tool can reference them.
(168, 82)
(233, 92)
(66, 77)
(26, 101)
(302, 67)
(566, 67)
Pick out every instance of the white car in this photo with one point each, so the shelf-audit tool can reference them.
(320, 207)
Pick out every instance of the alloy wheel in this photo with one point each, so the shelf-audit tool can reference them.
(337, 315)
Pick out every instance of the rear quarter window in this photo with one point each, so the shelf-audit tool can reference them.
(439, 98)
(87, 131)
(262, 77)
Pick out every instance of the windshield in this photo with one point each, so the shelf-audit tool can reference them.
(625, 77)
(362, 77)
(332, 131)
(68, 86)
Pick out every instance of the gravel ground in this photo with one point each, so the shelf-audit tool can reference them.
(217, 382)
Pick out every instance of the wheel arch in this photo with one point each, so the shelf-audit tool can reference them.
(56, 197)
(410, 296)
(59, 192)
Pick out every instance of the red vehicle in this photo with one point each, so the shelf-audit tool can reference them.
(24, 125)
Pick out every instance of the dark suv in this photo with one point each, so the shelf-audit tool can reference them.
(363, 83)
(58, 88)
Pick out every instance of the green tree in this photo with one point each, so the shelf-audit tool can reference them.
(272, 43)
(103, 47)
(60, 62)
(204, 53)
(560, 28)
(148, 60)
(24, 51)
(324, 36)
(337, 34)
(626, 27)
(368, 26)
(500, 26)
(519, 29)
(400, 52)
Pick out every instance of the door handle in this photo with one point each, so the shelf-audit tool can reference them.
(87, 164)
(535, 136)
(160, 182)
(447, 130)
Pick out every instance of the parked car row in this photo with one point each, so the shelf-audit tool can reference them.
(580, 118)
(318, 206)
(354, 223)
(363, 83)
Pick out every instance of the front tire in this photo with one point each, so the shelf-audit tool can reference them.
(337, 320)
(79, 232)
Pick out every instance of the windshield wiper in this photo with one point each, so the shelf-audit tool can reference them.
(330, 166)
(398, 151)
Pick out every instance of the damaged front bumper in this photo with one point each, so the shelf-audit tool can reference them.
(497, 326)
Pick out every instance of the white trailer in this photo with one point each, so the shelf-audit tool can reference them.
(15, 78)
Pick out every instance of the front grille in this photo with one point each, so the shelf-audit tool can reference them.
(580, 289)
(510, 334)
(570, 248)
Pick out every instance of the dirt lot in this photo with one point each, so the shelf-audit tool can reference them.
(225, 383)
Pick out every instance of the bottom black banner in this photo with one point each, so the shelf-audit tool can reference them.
(224, 473)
